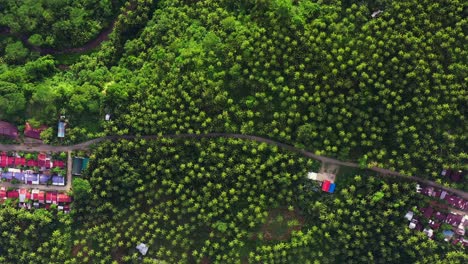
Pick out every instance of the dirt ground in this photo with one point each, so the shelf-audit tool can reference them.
(274, 230)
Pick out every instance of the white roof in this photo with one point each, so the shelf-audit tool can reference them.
(409, 215)
(142, 248)
(442, 194)
(312, 176)
(412, 225)
(429, 232)
(13, 170)
(376, 13)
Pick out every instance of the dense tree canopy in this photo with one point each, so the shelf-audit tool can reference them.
(57, 23)
(379, 82)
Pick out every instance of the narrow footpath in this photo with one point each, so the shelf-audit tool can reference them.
(86, 145)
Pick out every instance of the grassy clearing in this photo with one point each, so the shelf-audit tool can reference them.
(280, 224)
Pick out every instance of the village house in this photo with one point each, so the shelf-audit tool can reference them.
(327, 180)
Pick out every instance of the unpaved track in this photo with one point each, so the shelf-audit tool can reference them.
(86, 145)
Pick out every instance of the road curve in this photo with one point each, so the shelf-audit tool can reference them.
(86, 145)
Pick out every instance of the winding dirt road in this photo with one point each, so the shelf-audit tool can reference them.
(86, 145)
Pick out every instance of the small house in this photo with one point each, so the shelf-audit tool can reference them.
(59, 164)
(427, 211)
(24, 195)
(376, 13)
(409, 215)
(34, 133)
(418, 188)
(142, 248)
(51, 197)
(429, 232)
(63, 198)
(13, 194)
(440, 216)
(58, 180)
(8, 130)
(453, 219)
(38, 196)
(61, 129)
(79, 165)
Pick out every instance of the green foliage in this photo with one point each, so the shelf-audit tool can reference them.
(221, 226)
(214, 198)
(33, 236)
(378, 196)
(81, 188)
(58, 23)
(12, 101)
(16, 52)
(387, 91)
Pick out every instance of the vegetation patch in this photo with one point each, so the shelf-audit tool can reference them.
(280, 224)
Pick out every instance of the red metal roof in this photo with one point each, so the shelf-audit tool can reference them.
(440, 216)
(33, 132)
(13, 194)
(8, 129)
(20, 161)
(49, 196)
(41, 163)
(31, 163)
(38, 196)
(453, 219)
(326, 186)
(427, 211)
(59, 163)
(63, 198)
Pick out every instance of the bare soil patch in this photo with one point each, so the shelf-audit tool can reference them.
(280, 224)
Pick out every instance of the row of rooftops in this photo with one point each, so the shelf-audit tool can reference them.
(452, 199)
(37, 198)
(11, 131)
(32, 178)
(42, 161)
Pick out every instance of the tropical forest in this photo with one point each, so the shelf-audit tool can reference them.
(248, 131)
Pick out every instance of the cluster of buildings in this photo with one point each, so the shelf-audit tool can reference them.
(37, 199)
(327, 180)
(31, 171)
(32, 133)
(452, 199)
(434, 221)
(430, 220)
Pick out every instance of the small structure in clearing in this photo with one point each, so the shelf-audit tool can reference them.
(325, 177)
(79, 164)
(142, 248)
